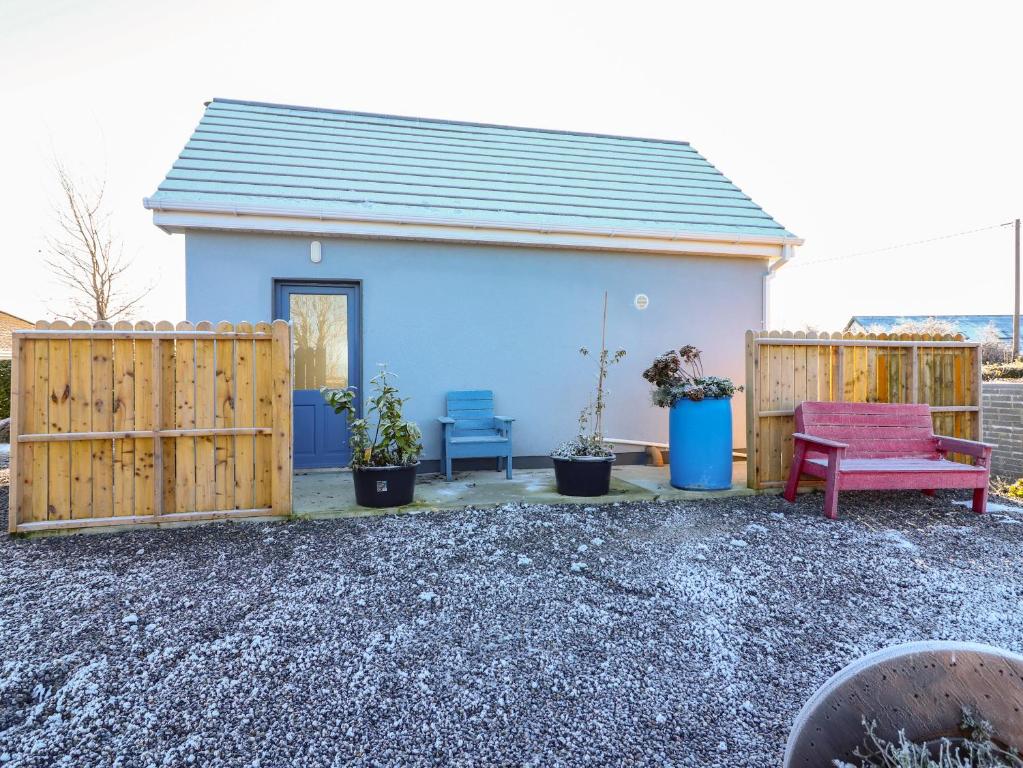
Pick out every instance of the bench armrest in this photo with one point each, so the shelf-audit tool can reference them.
(445, 420)
(504, 419)
(968, 447)
(821, 441)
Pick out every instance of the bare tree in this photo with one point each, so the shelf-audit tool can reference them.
(994, 349)
(86, 257)
(932, 325)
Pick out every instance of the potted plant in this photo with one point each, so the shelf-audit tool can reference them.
(384, 466)
(582, 466)
(700, 422)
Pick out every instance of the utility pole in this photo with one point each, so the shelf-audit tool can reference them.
(1015, 313)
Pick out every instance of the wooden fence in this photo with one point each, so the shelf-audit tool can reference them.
(118, 425)
(784, 369)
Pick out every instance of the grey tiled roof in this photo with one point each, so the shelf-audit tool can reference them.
(319, 161)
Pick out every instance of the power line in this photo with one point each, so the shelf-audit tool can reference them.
(896, 247)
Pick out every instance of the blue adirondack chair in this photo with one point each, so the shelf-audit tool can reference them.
(471, 430)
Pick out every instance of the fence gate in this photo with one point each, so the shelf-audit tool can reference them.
(784, 369)
(120, 425)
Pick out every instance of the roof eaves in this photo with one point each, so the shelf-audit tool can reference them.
(291, 213)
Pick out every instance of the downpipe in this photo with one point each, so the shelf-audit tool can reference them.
(786, 255)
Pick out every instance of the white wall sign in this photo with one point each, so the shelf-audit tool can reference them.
(642, 301)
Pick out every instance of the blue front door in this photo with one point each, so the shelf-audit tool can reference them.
(325, 339)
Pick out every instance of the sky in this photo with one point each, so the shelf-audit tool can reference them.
(858, 126)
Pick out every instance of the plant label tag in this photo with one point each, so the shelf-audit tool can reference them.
(381, 486)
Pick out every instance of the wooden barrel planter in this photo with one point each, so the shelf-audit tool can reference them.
(920, 688)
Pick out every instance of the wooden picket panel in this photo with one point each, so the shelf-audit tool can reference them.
(263, 404)
(281, 437)
(184, 418)
(145, 448)
(123, 421)
(245, 416)
(784, 369)
(59, 387)
(102, 421)
(123, 425)
(223, 417)
(81, 421)
(205, 461)
(168, 410)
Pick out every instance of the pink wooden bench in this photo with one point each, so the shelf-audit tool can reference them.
(881, 446)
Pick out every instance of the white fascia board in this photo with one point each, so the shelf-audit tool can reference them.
(183, 217)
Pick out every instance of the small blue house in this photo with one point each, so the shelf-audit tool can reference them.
(467, 256)
(973, 327)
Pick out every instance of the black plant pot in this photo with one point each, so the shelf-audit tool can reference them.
(583, 475)
(385, 486)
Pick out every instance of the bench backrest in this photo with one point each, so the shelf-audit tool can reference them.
(473, 412)
(872, 430)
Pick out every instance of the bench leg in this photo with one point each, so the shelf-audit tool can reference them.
(831, 489)
(927, 491)
(980, 500)
(797, 467)
(508, 467)
(831, 499)
(447, 466)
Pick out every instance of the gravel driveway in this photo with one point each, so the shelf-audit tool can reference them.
(639, 634)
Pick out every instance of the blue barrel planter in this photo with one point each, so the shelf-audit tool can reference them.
(700, 444)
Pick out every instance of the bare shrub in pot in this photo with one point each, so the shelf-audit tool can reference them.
(582, 465)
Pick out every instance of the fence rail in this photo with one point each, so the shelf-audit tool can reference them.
(120, 425)
(783, 369)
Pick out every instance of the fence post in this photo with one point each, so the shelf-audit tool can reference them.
(752, 356)
(914, 381)
(157, 426)
(839, 384)
(14, 487)
(281, 450)
(978, 387)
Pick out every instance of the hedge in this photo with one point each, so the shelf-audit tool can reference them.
(5, 388)
(1001, 371)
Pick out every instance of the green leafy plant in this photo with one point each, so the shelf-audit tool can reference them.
(975, 749)
(590, 440)
(395, 442)
(678, 375)
(5, 388)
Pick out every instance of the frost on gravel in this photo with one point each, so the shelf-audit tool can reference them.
(639, 634)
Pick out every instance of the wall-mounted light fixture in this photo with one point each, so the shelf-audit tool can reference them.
(315, 252)
(642, 301)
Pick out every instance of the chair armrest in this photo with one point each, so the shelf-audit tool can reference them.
(504, 419)
(821, 441)
(445, 420)
(968, 447)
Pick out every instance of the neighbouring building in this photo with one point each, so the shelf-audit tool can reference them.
(8, 323)
(467, 256)
(973, 327)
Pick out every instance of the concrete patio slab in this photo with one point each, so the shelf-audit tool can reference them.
(331, 494)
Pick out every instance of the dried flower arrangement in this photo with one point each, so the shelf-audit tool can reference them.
(678, 375)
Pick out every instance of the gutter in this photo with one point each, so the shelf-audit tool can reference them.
(235, 210)
(786, 256)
